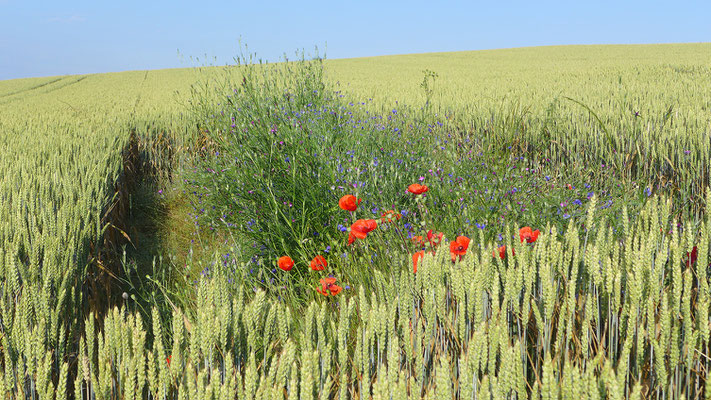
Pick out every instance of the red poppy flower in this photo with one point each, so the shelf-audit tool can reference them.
(418, 240)
(351, 238)
(690, 258)
(416, 188)
(318, 263)
(389, 215)
(167, 359)
(328, 286)
(528, 235)
(459, 247)
(349, 202)
(570, 187)
(285, 263)
(434, 238)
(502, 252)
(362, 227)
(415, 258)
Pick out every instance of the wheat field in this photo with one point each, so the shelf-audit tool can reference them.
(584, 313)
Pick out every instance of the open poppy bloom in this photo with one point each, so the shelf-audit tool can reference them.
(285, 263)
(328, 286)
(349, 202)
(690, 258)
(415, 258)
(502, 252)
(416, 188)
(362, 227)
(528, 235)
(389, 215)
(459, 247)
(434, 238)
(319, 263)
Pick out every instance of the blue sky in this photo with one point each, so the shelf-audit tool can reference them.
(77, 37)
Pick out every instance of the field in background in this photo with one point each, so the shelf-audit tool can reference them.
(75, 149)
(605, 76)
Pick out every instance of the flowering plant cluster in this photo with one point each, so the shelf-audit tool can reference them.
(318, 263)
(457, 247)
(278, 176)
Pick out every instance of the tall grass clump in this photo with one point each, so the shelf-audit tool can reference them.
(271, 171)
(286, 146)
